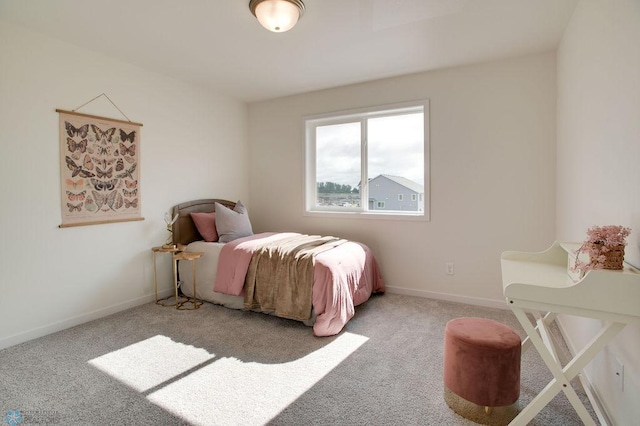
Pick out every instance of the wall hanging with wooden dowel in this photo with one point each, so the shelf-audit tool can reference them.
(99, 168)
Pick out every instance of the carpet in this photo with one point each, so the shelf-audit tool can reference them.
(217, 366)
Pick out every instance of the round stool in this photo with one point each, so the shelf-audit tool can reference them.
(482, 370)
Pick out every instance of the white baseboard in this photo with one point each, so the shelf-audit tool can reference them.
(77, 320)
(90, 316)
(477, 301)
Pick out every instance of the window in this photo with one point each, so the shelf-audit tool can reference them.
(361, 162)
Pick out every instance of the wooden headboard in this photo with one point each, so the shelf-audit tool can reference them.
(184, 230)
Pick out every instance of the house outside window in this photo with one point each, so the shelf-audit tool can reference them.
(368, 162)
(382, 187)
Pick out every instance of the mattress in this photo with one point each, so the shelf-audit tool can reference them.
(206, 270)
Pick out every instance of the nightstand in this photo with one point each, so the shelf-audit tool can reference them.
(178, 248)
(192, 257)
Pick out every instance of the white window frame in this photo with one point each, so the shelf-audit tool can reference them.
(400, 197)
(309, 179)
(414, 197)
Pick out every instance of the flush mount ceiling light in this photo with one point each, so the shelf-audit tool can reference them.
(277, 15)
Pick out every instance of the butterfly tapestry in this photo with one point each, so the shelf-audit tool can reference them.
(99, 169)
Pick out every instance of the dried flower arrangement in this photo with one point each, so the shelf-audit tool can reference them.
(605, 246)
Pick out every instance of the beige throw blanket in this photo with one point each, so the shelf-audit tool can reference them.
(280, 275)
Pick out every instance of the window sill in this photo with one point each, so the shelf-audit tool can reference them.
(403, 216)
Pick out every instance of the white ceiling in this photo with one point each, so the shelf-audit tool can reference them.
(219, 44)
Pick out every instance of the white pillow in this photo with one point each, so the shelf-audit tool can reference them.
(232, 224)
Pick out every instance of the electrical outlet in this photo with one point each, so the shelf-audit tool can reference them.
(449, 268)
(619, 375)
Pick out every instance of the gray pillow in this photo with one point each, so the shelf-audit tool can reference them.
(232, 224)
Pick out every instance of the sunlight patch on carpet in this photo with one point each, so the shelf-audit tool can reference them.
(151, 362)
(230, 391)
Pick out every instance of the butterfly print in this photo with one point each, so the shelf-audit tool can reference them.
(127, 151)
(104, 199)
(90, 205)
(119, 165)
(118, 203)
(76, 156)
(130, 183)
(108, 185)
(129, 159)
(80, 131)
(102, 150)
(75, 184)
(103, 162)
(87, 163)
(76, 146)
(104, 173)
(133, 203)
(129, 193)
(127, 173)
(76, 197)
(76, 169)
(73, 207)
(107, 134)
(124, 136)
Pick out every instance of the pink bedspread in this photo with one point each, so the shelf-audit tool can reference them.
(343, 278)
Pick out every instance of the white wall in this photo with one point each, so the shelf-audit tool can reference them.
(492, 173)
(193, 145)
(599, 166)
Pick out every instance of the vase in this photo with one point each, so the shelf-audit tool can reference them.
(614, 256)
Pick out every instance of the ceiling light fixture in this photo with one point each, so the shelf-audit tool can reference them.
(277, 15)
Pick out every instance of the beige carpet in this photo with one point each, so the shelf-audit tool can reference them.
(215, 366)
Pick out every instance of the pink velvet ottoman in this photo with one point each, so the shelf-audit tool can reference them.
(482, 370)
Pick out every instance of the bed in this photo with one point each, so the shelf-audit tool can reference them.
(319, 283)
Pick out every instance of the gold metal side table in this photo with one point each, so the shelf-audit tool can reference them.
(175, 249)
(192, 257)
